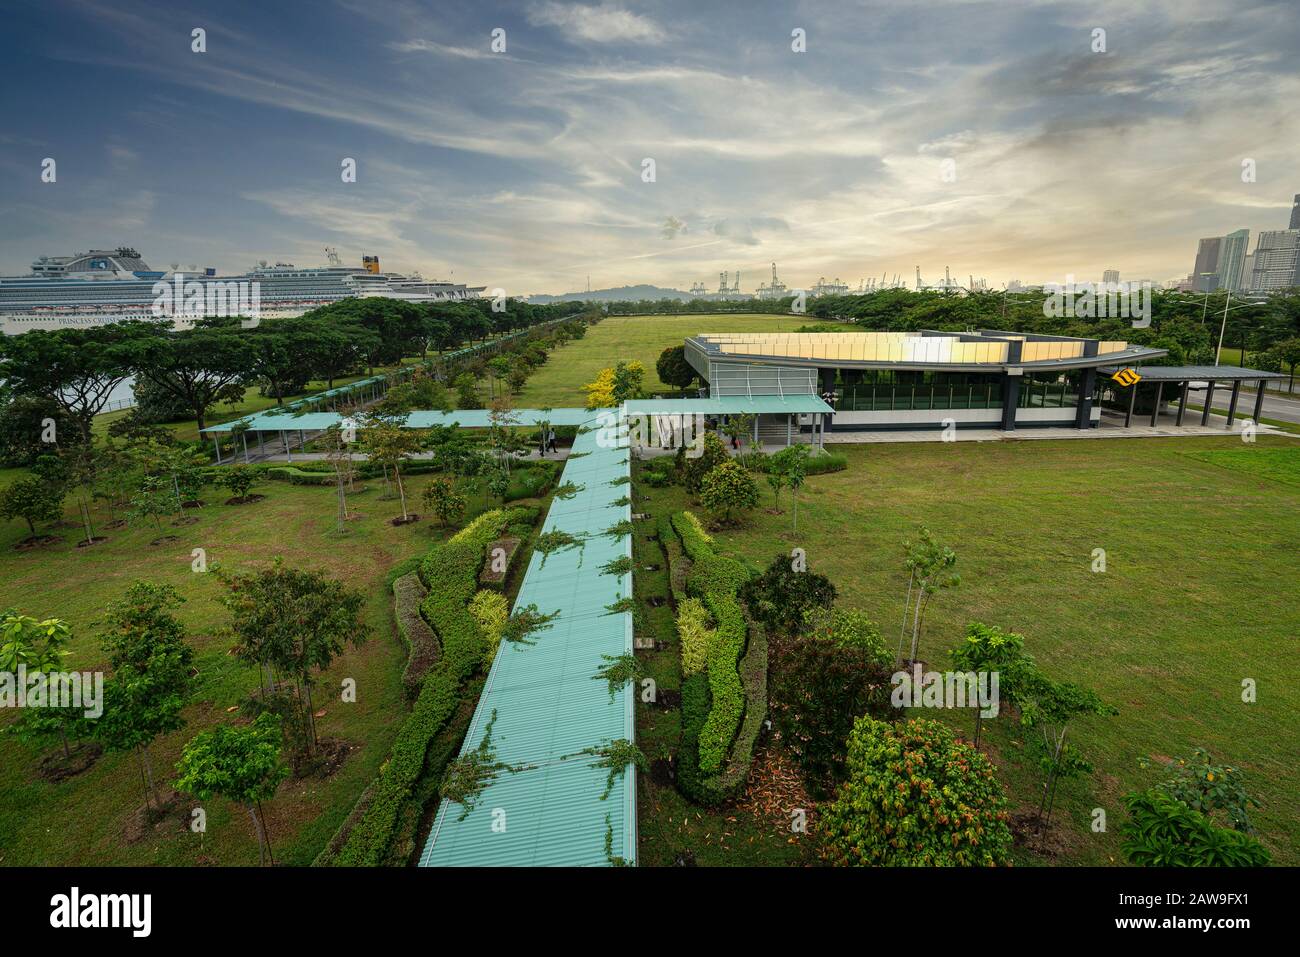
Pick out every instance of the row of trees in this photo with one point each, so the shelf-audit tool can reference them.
(66, 376)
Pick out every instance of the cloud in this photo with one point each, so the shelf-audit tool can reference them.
(603, 24)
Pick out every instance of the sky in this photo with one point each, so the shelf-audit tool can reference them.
(990, 137)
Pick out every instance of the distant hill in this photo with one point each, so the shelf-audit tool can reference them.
(625, 293)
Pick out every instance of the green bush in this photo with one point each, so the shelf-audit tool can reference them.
(421, 642)
(915, 797)
(695, 635)
(297, 476)
(724, 681)
(1164, 832)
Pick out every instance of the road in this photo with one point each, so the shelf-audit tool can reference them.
(1275, 407)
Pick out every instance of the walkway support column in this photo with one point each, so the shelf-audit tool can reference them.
(1259, 400)
(1010, 398)
(1232, 403)
(1087, 385)
(1132, 401)
(1155, 409)
(244, 437)
(1182, 403)
(1209, 403)
(789, 429)
(216, 445)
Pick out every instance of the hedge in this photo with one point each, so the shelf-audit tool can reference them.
(813, 465)
(421, 642)
(491, 610)
(679, 565)
(450, 572)
(695, 540)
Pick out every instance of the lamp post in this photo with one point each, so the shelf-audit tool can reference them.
(1224, 324)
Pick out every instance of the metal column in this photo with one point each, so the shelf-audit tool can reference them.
(1232, 403)
(1209, 402)
(1259, 400)
(1155, 409)
(1182, 403)
(1132, 401)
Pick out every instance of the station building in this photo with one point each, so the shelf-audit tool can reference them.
(916, 380)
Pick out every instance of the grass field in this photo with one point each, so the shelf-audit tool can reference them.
(1199, 594)
(559, 383)
(82, 821)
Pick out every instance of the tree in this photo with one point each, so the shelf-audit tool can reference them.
(673, 369)
(37, 646)
(153, 500)
(929, 564)
(76, 369)
(821, 682)
(784, 594)
(200, 366)
(338, 442)
(467, 396)
(915, 797)
(712, 454)
(33, 500)
(389, 444)
(239, 480)
(989, 649)
(151, 681)
(1049, 706)
(727, 489)
(293, 622)
(26, 422)
(441, 498)
(790, 465)
(239, 764)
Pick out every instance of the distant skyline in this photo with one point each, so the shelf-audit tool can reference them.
(523, 169)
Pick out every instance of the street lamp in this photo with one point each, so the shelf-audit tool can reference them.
(1224, 324)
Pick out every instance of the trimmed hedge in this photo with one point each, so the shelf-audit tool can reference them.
(695, 540)
(679, 565)
(421, 642)
(491, 610)
(450, 572)
(724, 682)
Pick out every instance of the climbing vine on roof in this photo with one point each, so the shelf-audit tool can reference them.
(470, 774)
(620, 670)
(525, 622)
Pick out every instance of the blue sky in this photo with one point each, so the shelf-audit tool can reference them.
(522, 169)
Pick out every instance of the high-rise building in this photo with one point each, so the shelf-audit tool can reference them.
(1205, 274)
(1295, 212)
(1110, 275)
(1277, 260)
(1232, 256)
(1248, 274)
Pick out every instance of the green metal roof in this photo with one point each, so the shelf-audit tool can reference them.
(549, 703)
(728, 405)
(419, 419)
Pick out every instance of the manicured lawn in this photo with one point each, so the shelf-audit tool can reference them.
(1199, 594)
(559, 382)
(82, 820)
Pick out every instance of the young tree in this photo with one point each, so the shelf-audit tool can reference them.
(38, 647)
(929, 564)
(239, 481)
(33, 500)
(240, 764)
(293, 622)
(727, 489)
(389, 445)
(791, 467)
(441, 498)
(153, 500)
(989, 649)
(338, 443)
(151, 681)
(1049, 706)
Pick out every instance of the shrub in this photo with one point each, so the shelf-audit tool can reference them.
(819, 687)
(421, 642)
(728, 489)
(915, 796)
(491, 610)
(821, 464)
(695, 634)
(1164, 832)
(724, 682)
(695, 540)
(712, 454)
(782, 597)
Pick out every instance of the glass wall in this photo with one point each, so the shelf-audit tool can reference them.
(888, 390)
(1048, 391)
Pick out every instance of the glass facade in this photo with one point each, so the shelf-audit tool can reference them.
(887, 390)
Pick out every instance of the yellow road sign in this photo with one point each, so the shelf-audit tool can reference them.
(1127, 377)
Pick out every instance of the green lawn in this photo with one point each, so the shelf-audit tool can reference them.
(1199, 594)
(559, 382)
(81, 821)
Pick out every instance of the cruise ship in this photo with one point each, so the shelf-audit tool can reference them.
(111, 285)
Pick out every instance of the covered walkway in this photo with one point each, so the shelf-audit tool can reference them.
(1195, 378)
